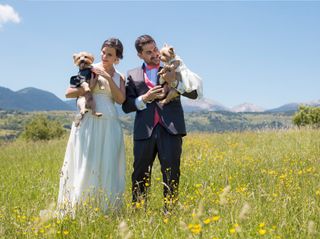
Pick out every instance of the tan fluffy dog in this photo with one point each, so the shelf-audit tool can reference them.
(86, 80)
(167, 56)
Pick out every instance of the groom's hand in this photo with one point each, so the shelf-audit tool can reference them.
(152, 94)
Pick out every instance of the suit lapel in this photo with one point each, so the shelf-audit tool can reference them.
(140, 74)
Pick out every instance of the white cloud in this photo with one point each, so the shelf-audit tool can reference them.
(8, 14)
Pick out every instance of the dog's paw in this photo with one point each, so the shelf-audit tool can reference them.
(98, 114)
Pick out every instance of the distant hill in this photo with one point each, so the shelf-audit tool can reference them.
(293, 106)
(285, 108)
(203, 104)
(30, 99)
(33, 99)
(247, 107)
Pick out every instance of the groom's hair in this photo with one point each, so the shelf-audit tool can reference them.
(143, 40)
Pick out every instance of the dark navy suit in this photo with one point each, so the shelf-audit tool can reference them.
(164, 138)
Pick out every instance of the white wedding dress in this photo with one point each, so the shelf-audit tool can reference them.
(94, 162)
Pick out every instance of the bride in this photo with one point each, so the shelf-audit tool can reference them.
(94, 162)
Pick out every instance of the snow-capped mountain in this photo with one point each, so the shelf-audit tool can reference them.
(33, 99)
(203, 104)
(247, 107)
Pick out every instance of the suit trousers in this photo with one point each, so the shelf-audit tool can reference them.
(168, 147)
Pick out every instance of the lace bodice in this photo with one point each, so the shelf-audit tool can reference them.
(105, 84)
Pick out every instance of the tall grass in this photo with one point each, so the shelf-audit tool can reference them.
(233, 185)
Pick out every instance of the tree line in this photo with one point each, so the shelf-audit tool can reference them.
(46, 126)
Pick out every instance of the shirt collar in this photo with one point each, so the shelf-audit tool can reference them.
(148, 67)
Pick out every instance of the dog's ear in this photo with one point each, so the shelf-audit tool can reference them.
(74, 56)
(171, 51)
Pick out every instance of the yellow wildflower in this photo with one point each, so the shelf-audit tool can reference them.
(195, 228)
(262, 224)
(262, 232)
(215, 218)
(207, 221)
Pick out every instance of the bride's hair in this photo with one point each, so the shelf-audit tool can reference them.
(116, 44)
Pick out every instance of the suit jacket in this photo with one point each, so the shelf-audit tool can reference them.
(171, 114)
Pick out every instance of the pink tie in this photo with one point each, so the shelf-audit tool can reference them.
(150, 85)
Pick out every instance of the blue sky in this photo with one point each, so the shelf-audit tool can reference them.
(261, 52)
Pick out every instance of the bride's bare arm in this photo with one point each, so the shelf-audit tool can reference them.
(118, 94)
(74, 92)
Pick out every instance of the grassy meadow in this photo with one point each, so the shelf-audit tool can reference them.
(233, 185)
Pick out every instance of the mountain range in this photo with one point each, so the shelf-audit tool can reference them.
(33, 99)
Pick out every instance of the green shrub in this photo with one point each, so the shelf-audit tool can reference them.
(41, 128)
(307, 116)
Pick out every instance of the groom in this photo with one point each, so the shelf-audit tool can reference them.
(158, 129)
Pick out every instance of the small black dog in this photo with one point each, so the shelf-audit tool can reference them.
(87, 80)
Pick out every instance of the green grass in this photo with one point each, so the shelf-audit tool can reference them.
(233, 185)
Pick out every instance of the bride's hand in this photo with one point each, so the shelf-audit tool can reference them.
(101, 72)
